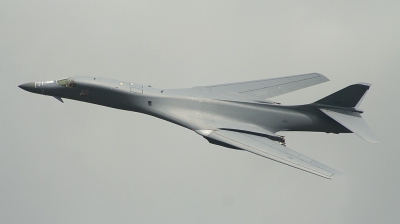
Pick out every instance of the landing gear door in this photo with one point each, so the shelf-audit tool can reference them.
(136, 88)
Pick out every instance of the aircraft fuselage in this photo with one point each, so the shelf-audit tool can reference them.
(193, 108)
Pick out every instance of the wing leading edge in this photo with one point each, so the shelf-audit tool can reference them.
(267, 88)
(272, 150)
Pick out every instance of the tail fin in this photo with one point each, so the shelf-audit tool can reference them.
(343, 107)
(349, 97)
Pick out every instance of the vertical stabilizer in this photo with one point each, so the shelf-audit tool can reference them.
(349, 97)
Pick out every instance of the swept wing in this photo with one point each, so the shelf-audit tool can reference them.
(272, 150)
(267, 88)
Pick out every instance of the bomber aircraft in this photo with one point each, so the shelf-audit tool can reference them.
(234, 115)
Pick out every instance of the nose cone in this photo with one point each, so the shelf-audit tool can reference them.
(29, 86)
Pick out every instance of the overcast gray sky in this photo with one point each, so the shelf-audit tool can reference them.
(82, 163)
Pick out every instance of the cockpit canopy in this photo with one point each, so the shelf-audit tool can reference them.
(66, 82)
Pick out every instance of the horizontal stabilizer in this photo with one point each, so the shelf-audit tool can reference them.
(352, 121)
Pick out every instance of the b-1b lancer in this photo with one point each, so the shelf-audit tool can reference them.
(234, 115)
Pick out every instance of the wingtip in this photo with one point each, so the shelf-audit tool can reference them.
(334, 175)
(323, 76)
(373, 141)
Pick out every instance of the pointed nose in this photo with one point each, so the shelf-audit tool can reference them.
(29, 86)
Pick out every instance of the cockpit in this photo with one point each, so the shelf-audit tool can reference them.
(67, 83)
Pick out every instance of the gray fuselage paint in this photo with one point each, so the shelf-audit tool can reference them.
(194, 108)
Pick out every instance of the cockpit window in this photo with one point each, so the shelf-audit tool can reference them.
(63, 82)
(66, 82)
